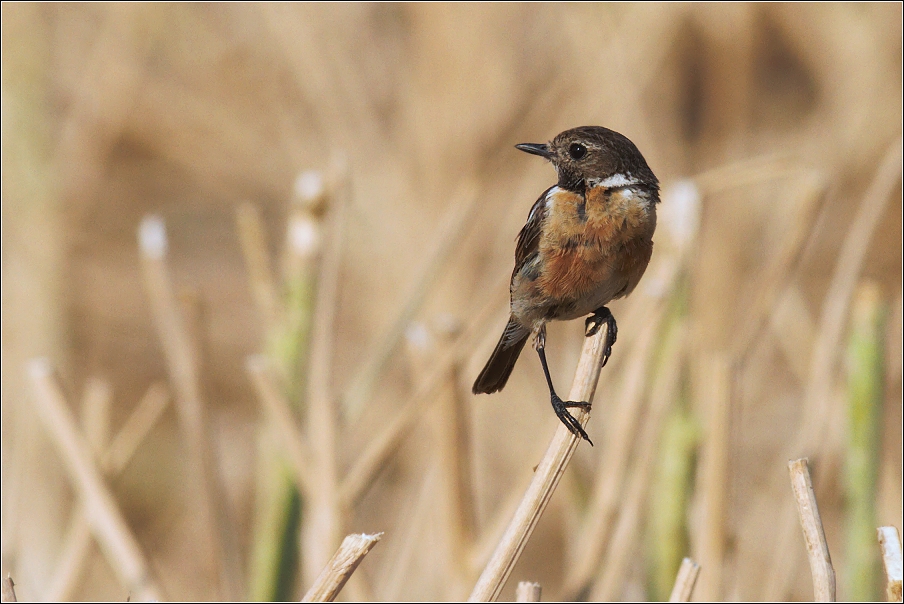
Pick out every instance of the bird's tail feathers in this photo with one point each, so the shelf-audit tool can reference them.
(499, 367)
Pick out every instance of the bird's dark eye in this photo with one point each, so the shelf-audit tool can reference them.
(577, 150)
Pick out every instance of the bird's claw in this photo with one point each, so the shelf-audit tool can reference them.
(592, 326)
(573, 425)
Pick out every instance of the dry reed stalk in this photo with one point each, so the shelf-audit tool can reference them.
(340, 567)
(890, 544)
(527, 591)
(182, 365)
(814, 535)
(624, 540)
(546, 477)
(826, 345)
(715, 405)
(684, 582)
(106, 520)
(112, 462)
(325, 513)
(253, 239)
(454, 223)
(366, 466)
(9, 589)
(282, 419)
(621, 435)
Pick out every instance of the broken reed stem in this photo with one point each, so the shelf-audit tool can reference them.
(814, 535)
(527, 591)
(684, 582)
(107, 522)
(181, 358)
(9, 589)
(890, 544)
(339, 569)
(546, 477)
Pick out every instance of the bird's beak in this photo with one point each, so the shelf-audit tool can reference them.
(535, 149)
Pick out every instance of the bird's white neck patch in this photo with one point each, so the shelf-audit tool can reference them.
(616, 180)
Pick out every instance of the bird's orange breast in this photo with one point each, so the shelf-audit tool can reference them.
(591, 241)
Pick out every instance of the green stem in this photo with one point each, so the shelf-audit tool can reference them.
(864, 396)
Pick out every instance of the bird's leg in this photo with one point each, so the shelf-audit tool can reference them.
(595, 321)
(558, 405)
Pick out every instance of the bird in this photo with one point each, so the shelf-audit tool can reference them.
(587, 241)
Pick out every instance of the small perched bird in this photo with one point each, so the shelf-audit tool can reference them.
(587, 241)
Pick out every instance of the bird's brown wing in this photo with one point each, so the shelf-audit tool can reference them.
(529, 237)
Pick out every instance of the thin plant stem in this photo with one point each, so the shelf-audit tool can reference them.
(9, 589)
(339, 569)
(527, 591)
(865, 398)
(814, 535)
(546, 477)
(684, 582)
(890, 544)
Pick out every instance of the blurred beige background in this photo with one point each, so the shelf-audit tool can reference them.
(780, 122)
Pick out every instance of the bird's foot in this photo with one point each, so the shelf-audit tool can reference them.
(595, 321)
(574, 426)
